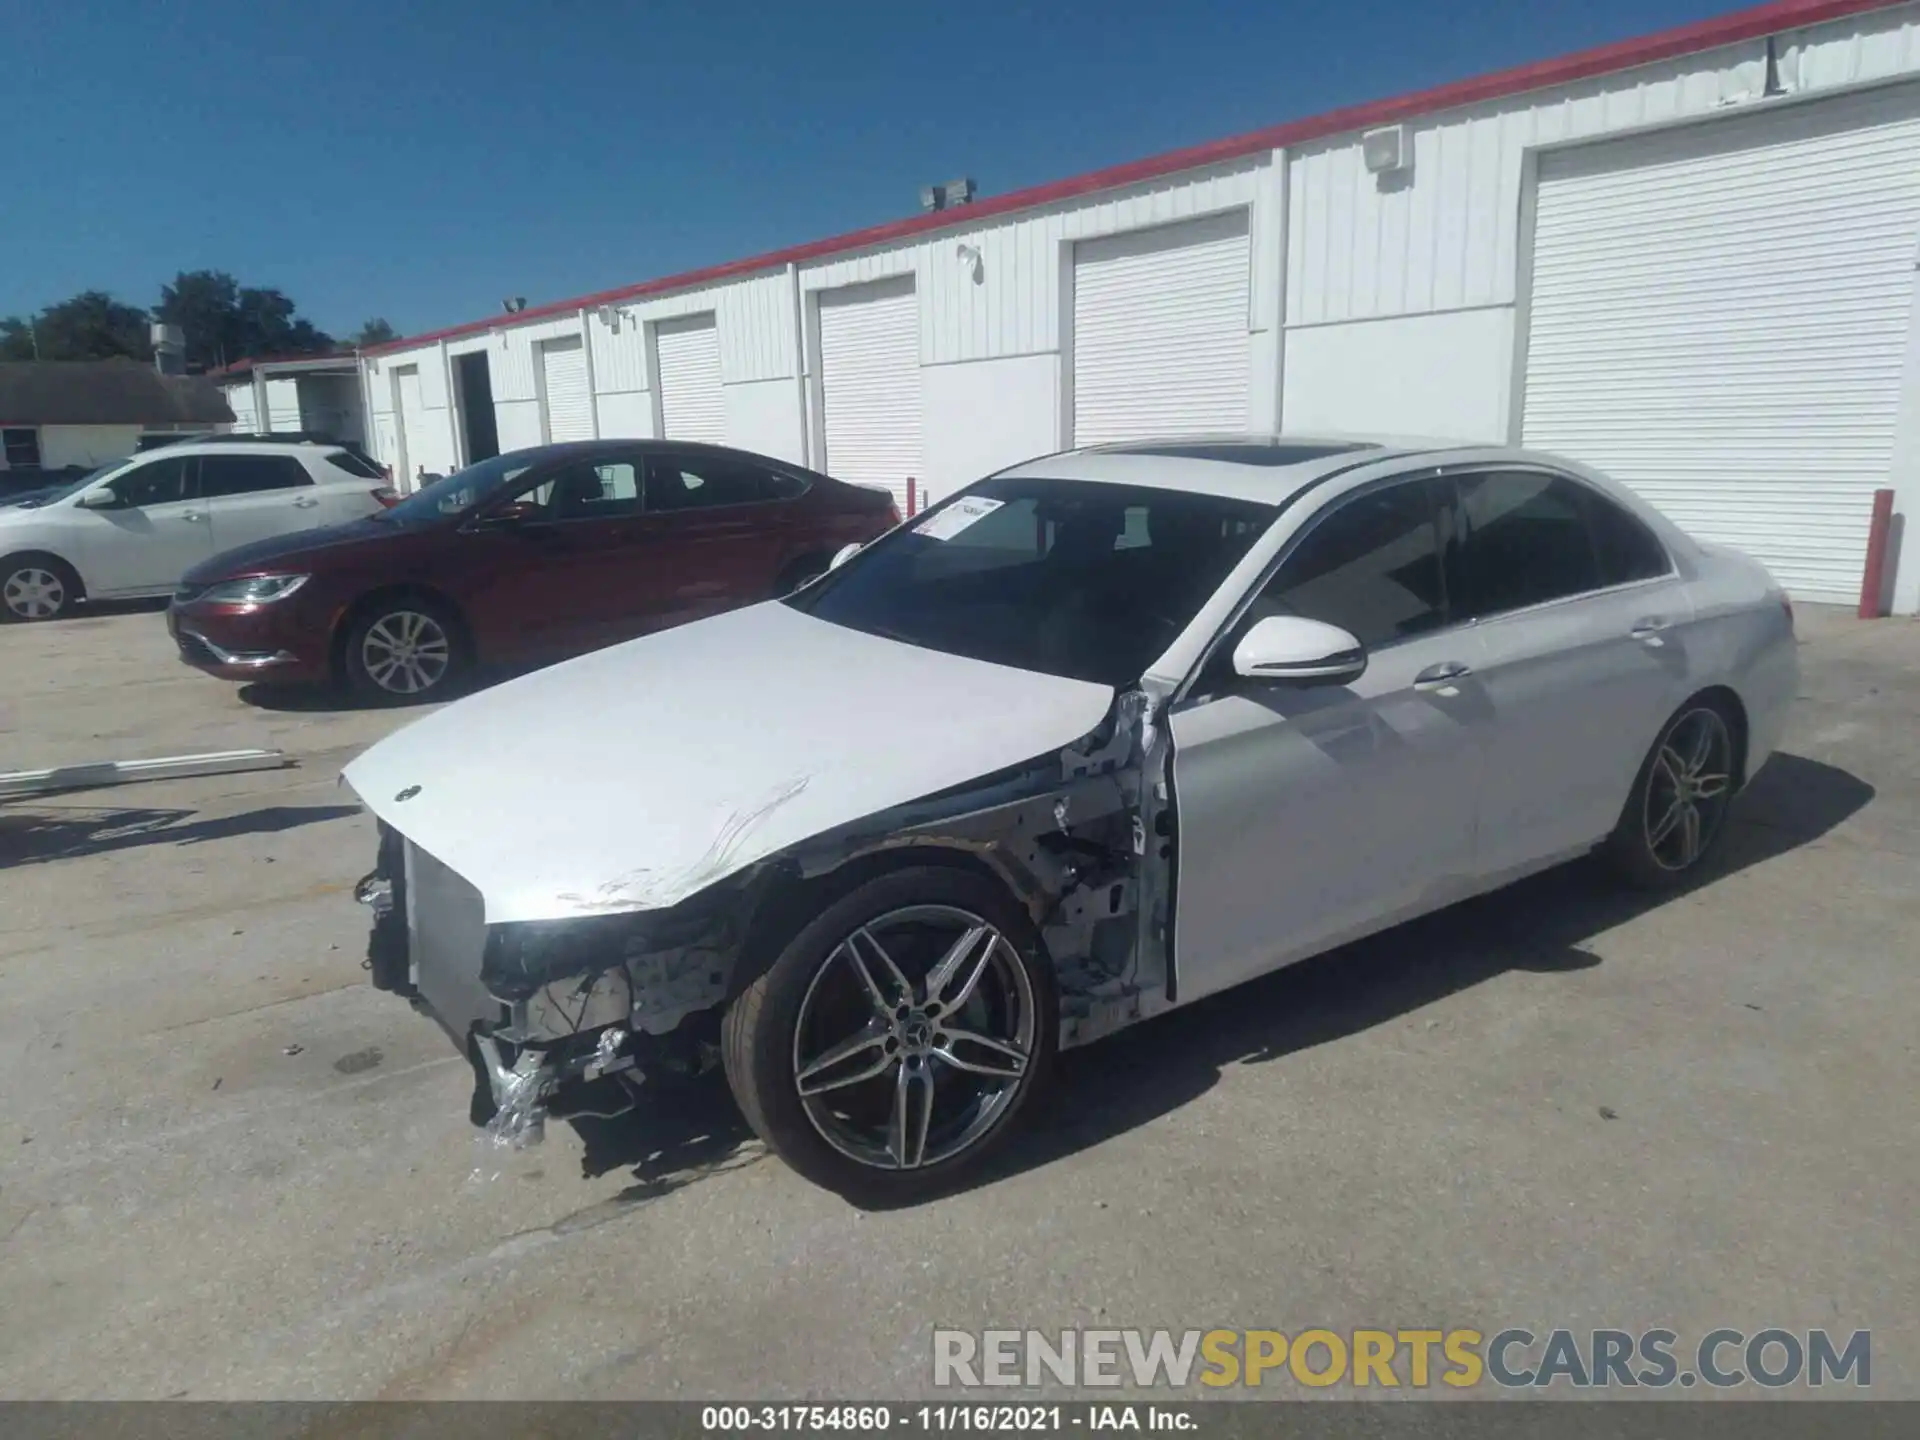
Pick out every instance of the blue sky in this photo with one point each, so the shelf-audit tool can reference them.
(420, 160)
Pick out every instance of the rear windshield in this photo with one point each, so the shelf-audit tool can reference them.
(351, 463)
(1070, 577)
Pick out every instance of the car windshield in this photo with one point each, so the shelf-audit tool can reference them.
(1069, 577)
(460, 492)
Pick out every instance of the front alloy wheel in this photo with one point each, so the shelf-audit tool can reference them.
(896, 1037)
(402, 651)
(873, 1047)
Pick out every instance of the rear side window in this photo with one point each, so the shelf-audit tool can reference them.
(1627, 550)
(698, 482)
(1523, 541)
(353, 465)
(249, 474)
(157, 483)
(1371, 566)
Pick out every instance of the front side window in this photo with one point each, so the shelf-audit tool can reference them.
(1371, 565)
(250, 474)
(588, 490)
(1523, 541)
(1068, 577)
(159, 483)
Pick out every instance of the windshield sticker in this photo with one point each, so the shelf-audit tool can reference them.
(956, 517)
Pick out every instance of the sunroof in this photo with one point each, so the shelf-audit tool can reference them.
(1247, 452)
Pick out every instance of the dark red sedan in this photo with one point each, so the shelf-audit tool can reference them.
(522, 559)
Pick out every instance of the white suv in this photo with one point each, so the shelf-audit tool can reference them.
(132, 528)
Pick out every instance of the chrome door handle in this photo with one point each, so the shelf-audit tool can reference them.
(193, 515)
(1647, 631)
(1446, 671)
(304, 504)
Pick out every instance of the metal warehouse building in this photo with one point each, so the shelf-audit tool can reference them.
(1688, 259)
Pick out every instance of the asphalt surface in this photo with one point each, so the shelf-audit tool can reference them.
(229, 1168)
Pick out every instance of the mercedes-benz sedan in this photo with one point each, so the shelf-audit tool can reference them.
(1098, 736)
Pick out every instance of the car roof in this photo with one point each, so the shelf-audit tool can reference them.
(559, 449)
(1258, 467)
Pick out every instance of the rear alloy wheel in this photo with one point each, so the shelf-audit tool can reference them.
(37, 589)
(1679, 802)
(896, 1038)
(405, 650)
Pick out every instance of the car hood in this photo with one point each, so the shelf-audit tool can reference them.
(633, 777)
(278, 550)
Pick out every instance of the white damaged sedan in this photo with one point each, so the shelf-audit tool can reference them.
(1103, 734)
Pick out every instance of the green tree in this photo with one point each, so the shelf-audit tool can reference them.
(17, 340)
(90, 326)
(375, 332)
(223, 321)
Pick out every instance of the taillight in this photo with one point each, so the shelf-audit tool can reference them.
(387, 496)
(893, 512)
(1786, 604)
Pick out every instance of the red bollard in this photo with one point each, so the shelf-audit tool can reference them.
(1872, 583)
(912, 498)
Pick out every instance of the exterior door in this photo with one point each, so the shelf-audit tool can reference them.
(1581, 619)
(716, 533)
(692, 404)
(567, 399)
(1312, 814)
(562, 567)
(156, 532)
(255, 497)
(870, 385)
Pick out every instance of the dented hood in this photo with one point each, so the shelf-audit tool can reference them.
(630, 778)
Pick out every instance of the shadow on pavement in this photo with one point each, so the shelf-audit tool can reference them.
(32, 836)
(688, 1130)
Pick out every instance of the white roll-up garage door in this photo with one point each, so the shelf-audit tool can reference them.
(691, 406)
(1719, 319)
(870, 384)
(563, 371)
(414, 445)
(240, 401)
(1160, 338)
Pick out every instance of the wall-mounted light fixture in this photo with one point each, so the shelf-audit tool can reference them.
(1388, 150)
(969, 256)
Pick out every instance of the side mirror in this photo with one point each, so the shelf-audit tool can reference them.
(842, 555)
(99, 499)
(1290, 648)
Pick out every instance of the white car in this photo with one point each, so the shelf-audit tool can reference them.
(1100, 735)
(132, 528)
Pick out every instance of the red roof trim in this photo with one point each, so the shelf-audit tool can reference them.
(1751, 24)
(241, 366)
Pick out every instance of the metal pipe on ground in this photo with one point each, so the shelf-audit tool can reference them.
(16, 784)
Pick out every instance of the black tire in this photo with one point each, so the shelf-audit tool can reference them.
(1693, 767)
(812, 984)
(433, 667)
(806, 569)
(35, 586)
